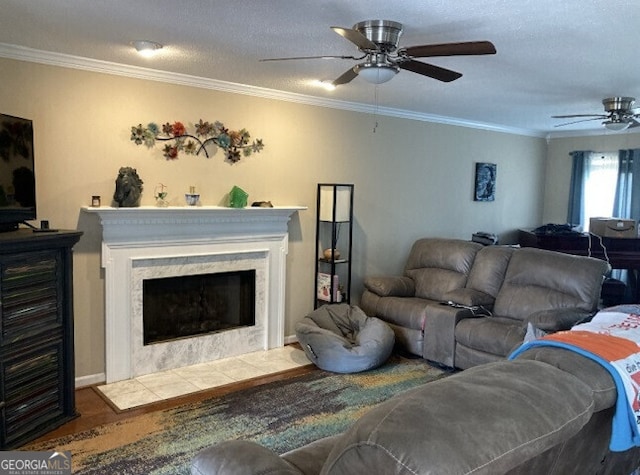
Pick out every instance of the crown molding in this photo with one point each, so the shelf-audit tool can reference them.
(589, 133)
(22, 53)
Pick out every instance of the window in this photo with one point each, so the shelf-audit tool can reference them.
(602, 185)
(600, 177)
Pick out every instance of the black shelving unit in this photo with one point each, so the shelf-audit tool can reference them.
(37, 378)
(334, 238)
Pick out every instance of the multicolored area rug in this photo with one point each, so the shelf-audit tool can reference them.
(280, 415)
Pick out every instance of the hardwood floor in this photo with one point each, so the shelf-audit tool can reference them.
(93, 410)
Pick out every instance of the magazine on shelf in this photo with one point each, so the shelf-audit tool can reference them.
(324, 288)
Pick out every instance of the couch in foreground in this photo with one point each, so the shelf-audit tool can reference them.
(547, 412)
(496, 292)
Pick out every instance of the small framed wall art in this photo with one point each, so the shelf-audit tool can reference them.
(485, 183)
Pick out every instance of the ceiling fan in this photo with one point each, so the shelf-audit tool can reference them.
(619, 114)
(377, 40)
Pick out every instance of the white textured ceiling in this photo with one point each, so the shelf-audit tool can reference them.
(553, 56)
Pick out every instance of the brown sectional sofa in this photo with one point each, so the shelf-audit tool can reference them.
(547, 412)
(500, 292)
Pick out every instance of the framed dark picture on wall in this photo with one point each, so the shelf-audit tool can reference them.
(485, 185)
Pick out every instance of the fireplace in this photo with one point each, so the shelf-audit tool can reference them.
(182, 307)
(147, 244)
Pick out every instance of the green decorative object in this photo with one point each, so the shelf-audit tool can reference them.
(238, 197)
(235, 143)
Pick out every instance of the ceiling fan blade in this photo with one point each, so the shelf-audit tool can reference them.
(310, 57)
(634, 123)
(450, 49)
(595, 116)
(578, 121)
(435, 72)
(346, 77)
(355, 37)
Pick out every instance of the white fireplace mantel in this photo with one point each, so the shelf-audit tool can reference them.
(150, 223)
(196, 236)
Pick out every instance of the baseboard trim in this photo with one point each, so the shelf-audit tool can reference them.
(290, 339)
(90, 380)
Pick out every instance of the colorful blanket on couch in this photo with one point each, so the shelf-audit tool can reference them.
(611, 338)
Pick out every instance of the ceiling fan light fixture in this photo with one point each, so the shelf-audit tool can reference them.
(146, 48)
(327, 84)
(377, 73)
(616, 126)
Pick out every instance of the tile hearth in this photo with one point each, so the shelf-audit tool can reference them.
(181, 381)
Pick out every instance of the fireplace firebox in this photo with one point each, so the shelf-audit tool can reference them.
(186, 306)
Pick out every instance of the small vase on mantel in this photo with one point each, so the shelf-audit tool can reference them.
(192, 198)
(160, 194)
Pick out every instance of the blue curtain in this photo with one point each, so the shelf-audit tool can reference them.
(576, 187)
(627, 200)
(627, 205)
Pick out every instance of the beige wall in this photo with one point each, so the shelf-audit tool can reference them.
(556, 196)
(412, 178)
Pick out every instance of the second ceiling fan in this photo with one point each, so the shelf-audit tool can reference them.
(619, 114)
(377, 40)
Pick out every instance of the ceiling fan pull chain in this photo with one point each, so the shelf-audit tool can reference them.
(375, 109)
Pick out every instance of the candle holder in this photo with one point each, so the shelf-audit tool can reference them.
(192, 198)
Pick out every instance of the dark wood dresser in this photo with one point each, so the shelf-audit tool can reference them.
(37, 376)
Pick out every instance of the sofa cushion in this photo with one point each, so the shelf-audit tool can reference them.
(442, 252)
(466, 357)
(539, 280)
(465, 423)
(384, 286)
(495, 335)
(408, 312)
(311, 457)
(438, 266)
(553, 320)
(230, 457)
(591, 373)
(434, 283)
(489, 268)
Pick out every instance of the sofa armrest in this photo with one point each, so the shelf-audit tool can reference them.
(470, 297)
(558, 319)
(239, 457)
(390, 286)
(439, 343)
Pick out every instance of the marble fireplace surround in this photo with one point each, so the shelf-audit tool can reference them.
(150, 242)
